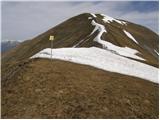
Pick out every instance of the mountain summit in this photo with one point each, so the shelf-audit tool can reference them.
(125, 53)
(98, 30)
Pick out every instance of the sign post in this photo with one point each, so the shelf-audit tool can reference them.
(51, 38)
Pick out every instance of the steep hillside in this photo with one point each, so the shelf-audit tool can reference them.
(45, 88)
(109, 70)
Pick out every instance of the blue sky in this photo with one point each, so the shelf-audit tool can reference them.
(142, 6)
(25, 20)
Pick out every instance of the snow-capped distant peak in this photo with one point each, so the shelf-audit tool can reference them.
(10, 41)
(109, 19)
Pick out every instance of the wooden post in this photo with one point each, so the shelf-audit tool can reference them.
(51, 38)
(51, 47)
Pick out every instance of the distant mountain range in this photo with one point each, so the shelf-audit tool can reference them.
(7, 45)
(101, 67)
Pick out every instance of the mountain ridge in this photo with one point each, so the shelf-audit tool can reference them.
(67, 37)
(71, 83)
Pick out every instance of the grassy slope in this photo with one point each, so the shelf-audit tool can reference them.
(66, 34)
(57, 89)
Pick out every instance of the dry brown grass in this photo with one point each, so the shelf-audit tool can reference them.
(58, 89)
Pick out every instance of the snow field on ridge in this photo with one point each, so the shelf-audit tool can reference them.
(102, 59)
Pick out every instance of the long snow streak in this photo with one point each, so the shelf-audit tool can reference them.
(78, 43)
(156, 52)
(130, 36)
(102, 59)
(124, 51)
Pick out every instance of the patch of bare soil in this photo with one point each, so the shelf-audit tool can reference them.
(58, 89)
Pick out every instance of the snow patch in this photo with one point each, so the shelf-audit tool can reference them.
(124, 51)
(93, 15)
(123, 22)
(89, 18)
(130, 36)
(102, 59)
(109, 19)
(78, 43)
(101, 30)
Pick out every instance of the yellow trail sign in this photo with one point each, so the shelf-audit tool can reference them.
(51, 37)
